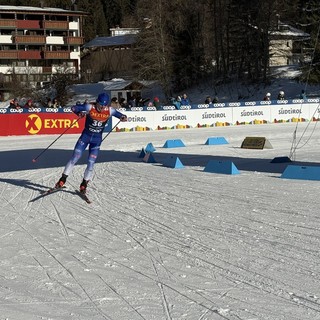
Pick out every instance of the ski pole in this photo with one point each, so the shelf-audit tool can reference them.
(111, 130)
(43, 151)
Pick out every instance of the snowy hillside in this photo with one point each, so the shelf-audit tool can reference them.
(284, 79)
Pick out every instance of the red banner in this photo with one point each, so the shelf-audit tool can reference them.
(38, 121)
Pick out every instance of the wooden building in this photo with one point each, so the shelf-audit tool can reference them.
(36, 42)
(287, 45)
(108, 57)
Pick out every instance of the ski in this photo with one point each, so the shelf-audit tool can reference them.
(83, 196)
(47, 192)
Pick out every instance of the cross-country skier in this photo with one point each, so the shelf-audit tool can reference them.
(97, 114)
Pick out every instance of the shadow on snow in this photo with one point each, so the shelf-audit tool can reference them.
(18, 160)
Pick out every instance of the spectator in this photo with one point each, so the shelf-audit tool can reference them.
(49, 103)
(139, 101)
(176, 102)
(303, 95)
(281, 95)
(208, 100)
(14, 104)
(115, 103)
(185, 100)
(123, 103)
(156, 102)
(55, 103)
(215, 99)
(267, 97)
(132, 101)
(29, 104)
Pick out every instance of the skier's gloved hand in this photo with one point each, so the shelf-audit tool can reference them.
(81, 114)
(124, 118)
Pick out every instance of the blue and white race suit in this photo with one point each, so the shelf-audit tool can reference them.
(91, 135)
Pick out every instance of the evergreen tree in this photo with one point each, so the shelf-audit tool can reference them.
(95, 23)
(310, 22)
(63, 4)
(188, 44)
(113, 13)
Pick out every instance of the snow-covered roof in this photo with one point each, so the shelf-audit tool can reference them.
(39, 9)
(115, 84)
(287, 31)
(126, 84)
(126, 39)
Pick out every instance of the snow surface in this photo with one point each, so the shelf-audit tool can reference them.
(158, 242)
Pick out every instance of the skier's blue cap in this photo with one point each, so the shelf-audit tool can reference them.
(103, 99)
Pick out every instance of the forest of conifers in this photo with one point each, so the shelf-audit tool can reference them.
(183, 42)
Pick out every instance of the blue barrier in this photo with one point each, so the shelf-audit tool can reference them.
(173, 162)
(149, 158)
(150, 148)
(173, 144)
(216, 141)
(301, 172)
(225, 167)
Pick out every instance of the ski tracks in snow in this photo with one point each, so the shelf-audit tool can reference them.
(153, 246)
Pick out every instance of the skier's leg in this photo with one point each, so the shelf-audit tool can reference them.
(77, 153)
(93, 154)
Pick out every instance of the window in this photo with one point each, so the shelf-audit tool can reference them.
(20, 63)
(7, 16)
(6, 32)
(5, 62)
(73, 19)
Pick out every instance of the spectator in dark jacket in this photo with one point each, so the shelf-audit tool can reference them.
(267, 97)
(14, 104)
(303, 95)
(208, 100)
(185, 100)
(156, 102)
(29, 104)
(281, 95)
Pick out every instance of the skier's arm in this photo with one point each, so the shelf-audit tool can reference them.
(117, 114)
(81, 110)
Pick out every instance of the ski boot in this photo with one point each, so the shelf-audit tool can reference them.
(61, 181)
(83, 186)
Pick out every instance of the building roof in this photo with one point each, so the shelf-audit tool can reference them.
(111, 85)
(127, 39)
(119, 84)
(285, 31)
(40, 10)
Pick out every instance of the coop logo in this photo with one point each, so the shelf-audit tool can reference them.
(33, 124)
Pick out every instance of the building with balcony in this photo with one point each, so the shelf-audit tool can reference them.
(37, 42)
